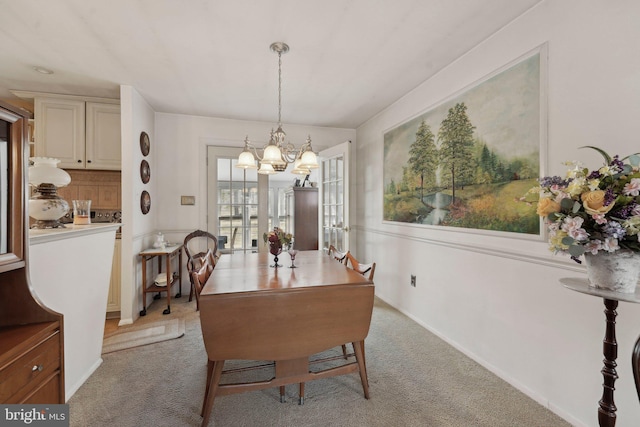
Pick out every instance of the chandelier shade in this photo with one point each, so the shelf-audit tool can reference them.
(246, 160)
(266, 169)
(278, 154)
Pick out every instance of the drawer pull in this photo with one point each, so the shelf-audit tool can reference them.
(36, 368)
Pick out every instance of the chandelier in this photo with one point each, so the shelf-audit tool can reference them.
(277, 154)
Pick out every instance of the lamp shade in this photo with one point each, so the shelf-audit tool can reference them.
(45, 171)
(308, 160)
(272, 155)
(266, 169)
(298, 170)
(246, 160)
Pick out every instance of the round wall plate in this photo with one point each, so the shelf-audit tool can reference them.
(145, 171)
(145, 202)
(145, 144)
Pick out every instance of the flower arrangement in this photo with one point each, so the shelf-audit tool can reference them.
(278, 235)
(592, 211)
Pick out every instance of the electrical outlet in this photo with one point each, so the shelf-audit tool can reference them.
(413, 280)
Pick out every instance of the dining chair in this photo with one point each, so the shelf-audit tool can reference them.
(197, 245)
(199, 277)
(367, 270)
(337, 255)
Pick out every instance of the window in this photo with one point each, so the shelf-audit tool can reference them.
(237, 207)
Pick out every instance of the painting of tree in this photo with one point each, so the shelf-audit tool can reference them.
(423, 157)
(456, 147)
(465, 161)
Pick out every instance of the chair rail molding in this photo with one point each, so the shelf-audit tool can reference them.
(516, 254)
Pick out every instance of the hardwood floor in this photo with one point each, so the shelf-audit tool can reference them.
(110, 326)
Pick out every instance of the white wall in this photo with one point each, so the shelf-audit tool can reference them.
(498, 297)
(137, 229)
(182, 146)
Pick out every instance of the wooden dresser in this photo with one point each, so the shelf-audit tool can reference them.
(302, 217)
(31, 335)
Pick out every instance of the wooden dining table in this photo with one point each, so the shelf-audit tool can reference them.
(250, 310)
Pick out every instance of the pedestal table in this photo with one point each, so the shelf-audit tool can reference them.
(607, 409)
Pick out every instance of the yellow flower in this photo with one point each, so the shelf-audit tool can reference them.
(555, 241)
(593, 203)
(593, 184)
(577, 186)
(547, 206)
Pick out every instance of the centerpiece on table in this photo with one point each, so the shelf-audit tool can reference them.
(277, 239)
(596, 214)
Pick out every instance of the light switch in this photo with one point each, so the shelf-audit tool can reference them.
(187, 200)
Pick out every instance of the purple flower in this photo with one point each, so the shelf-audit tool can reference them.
(549, 181)
(627, 211)
(614, 230)
(617, 163)
(594, 175)
(609, 197)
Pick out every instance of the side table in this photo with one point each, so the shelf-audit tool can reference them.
(169, 253)
(607, 409)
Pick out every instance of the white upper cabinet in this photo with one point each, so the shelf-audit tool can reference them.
(60, 131)
(103, 149)
(82, 134)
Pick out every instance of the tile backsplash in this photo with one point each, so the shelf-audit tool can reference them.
(101, 187)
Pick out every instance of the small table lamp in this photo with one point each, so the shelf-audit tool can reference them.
(46, 207)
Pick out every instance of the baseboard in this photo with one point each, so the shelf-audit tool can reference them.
(71, 391)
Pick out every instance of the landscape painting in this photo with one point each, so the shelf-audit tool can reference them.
(466, 162)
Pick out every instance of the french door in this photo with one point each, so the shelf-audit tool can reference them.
(334, 197)
(234, 200)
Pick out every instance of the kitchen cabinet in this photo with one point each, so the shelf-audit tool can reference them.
(31, 335)
(113, 298)
(83, 134)
(301, 217)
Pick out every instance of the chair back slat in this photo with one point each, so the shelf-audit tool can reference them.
(201, 248)
(367, 270)
(337, 255)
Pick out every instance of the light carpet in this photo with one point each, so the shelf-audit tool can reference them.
(415, 378)
(149, 334)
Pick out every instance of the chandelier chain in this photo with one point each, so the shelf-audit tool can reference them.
(279, 88)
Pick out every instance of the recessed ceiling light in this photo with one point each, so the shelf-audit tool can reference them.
(43, 70)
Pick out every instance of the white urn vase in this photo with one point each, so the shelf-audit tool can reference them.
(45, 206)
(617, 271)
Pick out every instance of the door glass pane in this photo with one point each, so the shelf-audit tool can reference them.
(333, 208)
(332, 193)
(332, 170)
(237, 206)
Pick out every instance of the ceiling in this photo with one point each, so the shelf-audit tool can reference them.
(349, 59)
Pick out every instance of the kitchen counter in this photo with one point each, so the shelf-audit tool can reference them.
(70, 271)
(38, 235)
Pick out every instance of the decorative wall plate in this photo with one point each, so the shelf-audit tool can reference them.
(145, 144)
(145, 202)
(145, 171)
